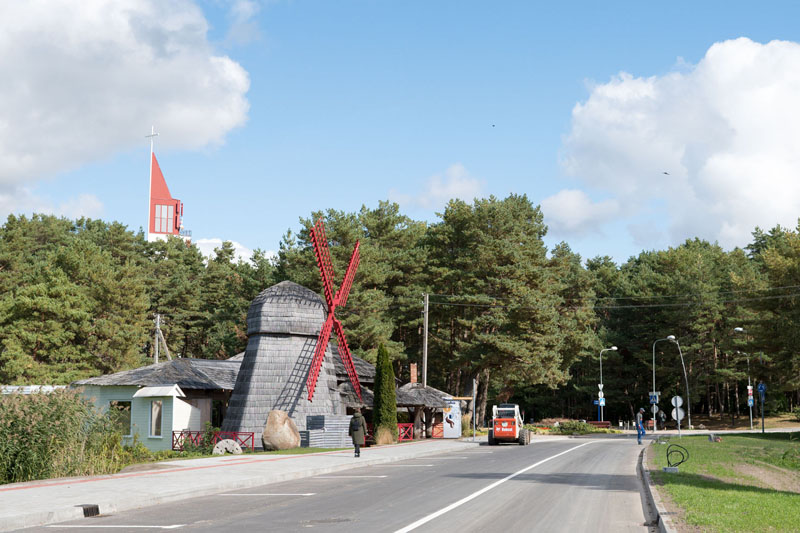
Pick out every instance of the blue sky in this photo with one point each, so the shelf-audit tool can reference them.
(269, 110)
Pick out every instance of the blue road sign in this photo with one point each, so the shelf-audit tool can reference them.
(602, 402)
(762, 391)
(653, 398)
(750, 402)
(596, 402)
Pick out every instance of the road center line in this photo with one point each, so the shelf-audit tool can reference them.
(474, 495)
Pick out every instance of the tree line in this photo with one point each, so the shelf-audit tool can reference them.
(527, 323)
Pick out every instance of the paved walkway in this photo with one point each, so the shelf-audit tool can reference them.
(57, 500)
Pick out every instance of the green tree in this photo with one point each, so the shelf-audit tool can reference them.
(385, 400)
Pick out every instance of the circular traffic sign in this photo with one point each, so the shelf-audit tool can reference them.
(600, 395)
(678, 413)
(654, 409)
(677, 401)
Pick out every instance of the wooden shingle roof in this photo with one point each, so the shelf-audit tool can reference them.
(203, 374)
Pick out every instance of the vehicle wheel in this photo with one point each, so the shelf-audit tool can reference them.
(527, 437)
(523, 433)
(490, 439)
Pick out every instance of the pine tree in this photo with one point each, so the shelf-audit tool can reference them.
(385, 401)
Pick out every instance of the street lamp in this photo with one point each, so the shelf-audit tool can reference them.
(749, 385)
(672, 338)
(612, 349)
(654, 374)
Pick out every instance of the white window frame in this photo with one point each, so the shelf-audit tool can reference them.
(161, 417)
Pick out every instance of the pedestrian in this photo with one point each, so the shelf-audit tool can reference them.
(358, 429)
(640, 424)
(662, 417)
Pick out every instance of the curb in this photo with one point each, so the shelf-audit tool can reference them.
(110, 506)
(663, 519)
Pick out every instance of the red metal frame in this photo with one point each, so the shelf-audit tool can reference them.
(438, 431)
(323, 255)
(405, 432)
(245, 439)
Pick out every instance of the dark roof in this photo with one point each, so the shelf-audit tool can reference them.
(207, 374)
(414, 394)
(365, 370)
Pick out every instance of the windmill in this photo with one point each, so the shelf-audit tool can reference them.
(320, 242)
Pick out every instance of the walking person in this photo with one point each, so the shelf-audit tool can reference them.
(640, 424)
(358, 429)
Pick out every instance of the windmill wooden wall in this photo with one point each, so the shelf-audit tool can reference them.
(283, 323)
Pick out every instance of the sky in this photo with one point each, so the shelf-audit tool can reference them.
(634, 125)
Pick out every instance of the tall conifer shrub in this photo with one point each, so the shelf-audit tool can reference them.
(385, 403)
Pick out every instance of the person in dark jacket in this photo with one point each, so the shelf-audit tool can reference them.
(640, 424)
(358, 430)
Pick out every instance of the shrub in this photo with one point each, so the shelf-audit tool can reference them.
(569, 427)
(385, 400)
(55, 435)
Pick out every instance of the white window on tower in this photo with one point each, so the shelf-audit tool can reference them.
(170, 211)
(158, 219)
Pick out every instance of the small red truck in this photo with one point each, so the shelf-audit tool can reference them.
(506, 425)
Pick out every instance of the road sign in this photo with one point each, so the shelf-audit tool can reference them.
(677, 401)
(678, 414)
(602, 402)
(750, 401)
(600, 386)
(653, 398)
(654, 409)
(762, 391)
(600, 395)
(596, 402)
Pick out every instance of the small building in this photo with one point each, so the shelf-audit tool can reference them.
(155, 400)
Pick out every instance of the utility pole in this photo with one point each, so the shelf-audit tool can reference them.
(425, 341)
(160, 336)
(474, 405)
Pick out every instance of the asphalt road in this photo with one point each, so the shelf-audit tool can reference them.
(576, 484)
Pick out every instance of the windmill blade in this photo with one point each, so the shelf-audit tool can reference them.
(347, 359)
(319, 355)
(323, 255)
(350, 274)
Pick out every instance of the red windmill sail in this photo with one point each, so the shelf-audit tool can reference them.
(320, 242)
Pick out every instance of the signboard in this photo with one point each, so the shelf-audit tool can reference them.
(678, 413)
(677, 401)
(600, 395)
(655, 409)
(452, 419)
(750, 402)
(653, 398)
(600, 386)
(602, 402)
(596, 402)
(762, 391)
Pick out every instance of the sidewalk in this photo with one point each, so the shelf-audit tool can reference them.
(49, 501)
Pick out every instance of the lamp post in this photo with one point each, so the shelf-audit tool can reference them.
(654, 374)
(749, 385)
(672, 339)
(612, 349)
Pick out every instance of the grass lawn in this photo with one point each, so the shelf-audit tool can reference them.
(747, 482)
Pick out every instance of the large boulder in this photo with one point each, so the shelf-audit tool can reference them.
(280, 432)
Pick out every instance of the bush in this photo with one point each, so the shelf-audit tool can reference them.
(55, 435)
(385, 400)
(569, 427)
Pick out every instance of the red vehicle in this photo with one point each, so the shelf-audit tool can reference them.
(506, 425)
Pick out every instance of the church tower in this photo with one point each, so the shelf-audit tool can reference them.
(165, 213)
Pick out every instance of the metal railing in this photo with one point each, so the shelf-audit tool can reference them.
(245, 439)
(405, 432)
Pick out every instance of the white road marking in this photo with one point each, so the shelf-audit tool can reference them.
(343, 477)
(474, 495)
(176, 526)
(270, 494)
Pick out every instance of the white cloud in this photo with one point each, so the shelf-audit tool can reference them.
(23, 201)
(572, 212)
(726, 130)
(244, 28)
(455, 182)
(241, 252)
(83, 80)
